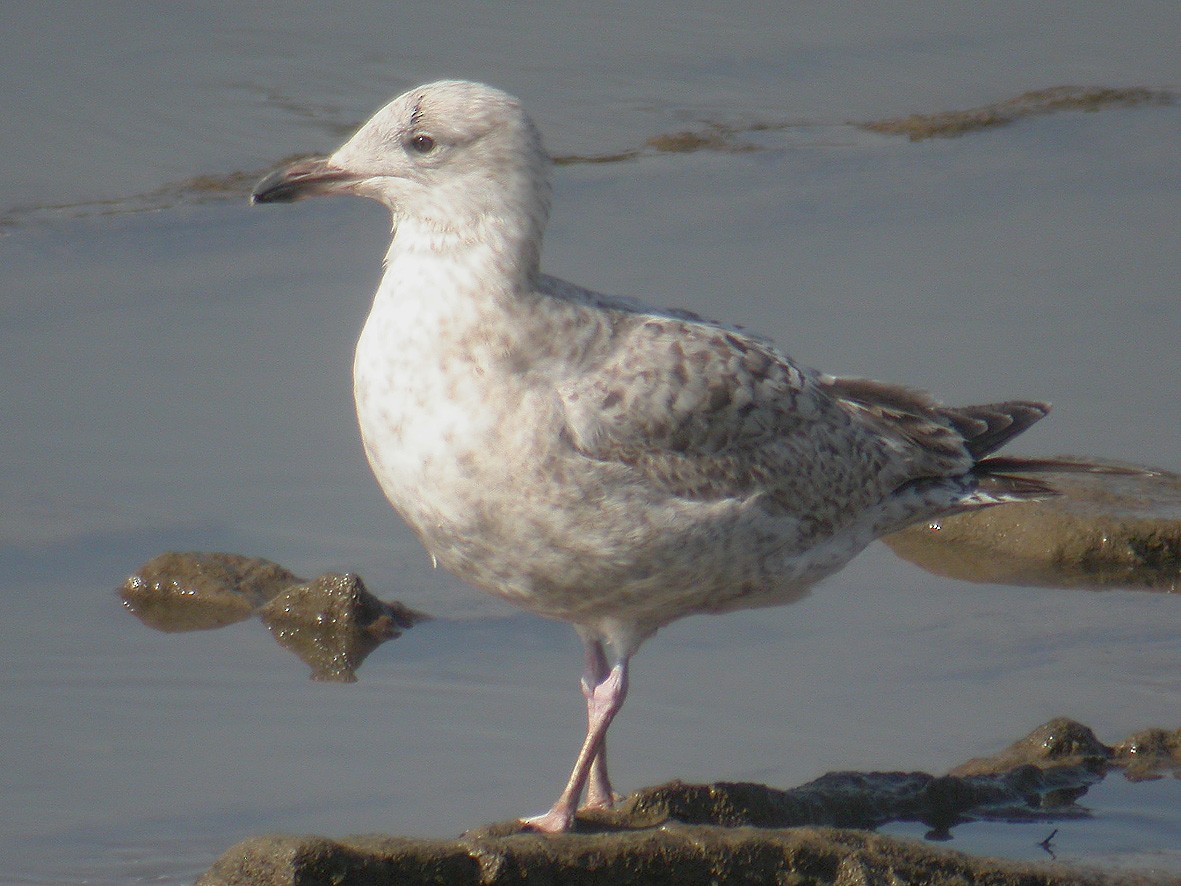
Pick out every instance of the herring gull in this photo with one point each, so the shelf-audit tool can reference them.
(594, 459)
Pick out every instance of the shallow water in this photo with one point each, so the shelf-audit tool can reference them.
(179, 379)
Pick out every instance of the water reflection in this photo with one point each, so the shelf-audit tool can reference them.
(1106, 530)
(331, 623)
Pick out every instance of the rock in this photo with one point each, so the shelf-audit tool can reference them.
(333, 623)
(193, 591)
(1104, 531)
(1058, 743)
(864, 800)
(684, 855)
(742, 833)
(1149, 754)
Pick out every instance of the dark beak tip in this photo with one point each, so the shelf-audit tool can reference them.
(276, 187)
(276, 195)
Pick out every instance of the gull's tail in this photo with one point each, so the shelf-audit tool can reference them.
(1012, 473)
(983, 430)
(1005, 478)
(952, 446)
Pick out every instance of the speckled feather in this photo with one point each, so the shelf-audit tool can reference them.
(589, 457)
(593, 459)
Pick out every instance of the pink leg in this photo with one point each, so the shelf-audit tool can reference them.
(603, 703)
(599, 794)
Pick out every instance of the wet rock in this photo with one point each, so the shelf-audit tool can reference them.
(1150, 754)
(1008, 787)
(260, 861)
(192, 591)
(684, 855)
(1104, 531)
(1059, 743)
(743, 833)
(865, 800)
(333, 623)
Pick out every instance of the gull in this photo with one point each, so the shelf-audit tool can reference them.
(596, 460)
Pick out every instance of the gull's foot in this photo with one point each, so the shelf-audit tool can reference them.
(556, 821)
(596, 800)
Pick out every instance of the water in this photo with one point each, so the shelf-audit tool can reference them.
(179, 379)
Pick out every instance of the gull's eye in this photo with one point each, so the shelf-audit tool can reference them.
(422, 144)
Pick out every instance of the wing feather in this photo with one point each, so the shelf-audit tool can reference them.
(708, 412)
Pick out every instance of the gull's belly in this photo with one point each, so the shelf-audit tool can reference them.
(476, 460)
(497, 494)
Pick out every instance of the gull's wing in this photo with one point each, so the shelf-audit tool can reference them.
(708, 412)
(976, 431)
(705, 411)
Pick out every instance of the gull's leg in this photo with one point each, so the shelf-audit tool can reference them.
(598, 787)
(603, 704)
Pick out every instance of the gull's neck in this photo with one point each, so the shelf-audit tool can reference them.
(502, 251)
(470, 288)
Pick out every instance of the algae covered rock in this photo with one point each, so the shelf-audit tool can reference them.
(333, 623)
(201, 590)
(1105, 530)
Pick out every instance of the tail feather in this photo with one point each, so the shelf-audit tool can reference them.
(943, 435)
(1008, 477)
(1065, 464)
(978, 489)
(1001, 488)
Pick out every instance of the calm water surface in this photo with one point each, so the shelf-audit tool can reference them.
(179, 379)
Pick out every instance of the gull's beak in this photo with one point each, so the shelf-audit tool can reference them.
(303, 178)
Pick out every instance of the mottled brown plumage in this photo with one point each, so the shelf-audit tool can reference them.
(590, 458)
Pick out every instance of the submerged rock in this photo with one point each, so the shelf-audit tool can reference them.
(333, 623)
(1037, 777)
(1034, 103)
(197, 590)
(1150, 754)
(1061, 742)
(1103, 531)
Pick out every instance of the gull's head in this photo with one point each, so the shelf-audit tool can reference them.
(449, 155)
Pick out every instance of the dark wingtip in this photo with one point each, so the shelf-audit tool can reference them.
(988, 427)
